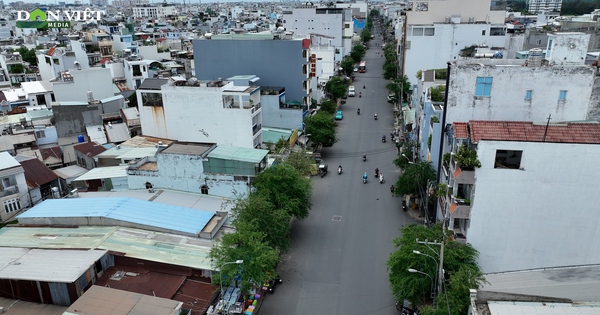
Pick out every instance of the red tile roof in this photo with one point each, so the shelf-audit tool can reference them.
(460, 130)
(588, 133)
(50, 51)
(90, 148)
(37, 173)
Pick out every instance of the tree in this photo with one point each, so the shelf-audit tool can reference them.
(365, 35)
(249, 245)
(467, 158)
(132, 100)
(461, 270)
(414, 178)
(407, 150)
(328, 106)
(301, 162)
(336, 87)
(347, 66)
(286, 189)
(262, 215)
(17, 68)
(321, 128)
(28, 55)
(357, 53)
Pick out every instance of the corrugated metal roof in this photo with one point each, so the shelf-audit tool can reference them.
(227, 152)
(46, 265)
(70, 171)
(90, 149)
(112, 98)
(272, 135)
(136, 153)
(131, 113)
(191, 148)
(37, 173)
(96, 134)
(104, 172)
(152, 84)
(99, 300)
(8, 161)
(145, 213)
(117, 132)
(167, 248)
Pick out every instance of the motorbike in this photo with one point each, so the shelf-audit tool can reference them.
(364, 157)
(375, 116)
(364, 178)
(383, 139)
(392, 138)
(381, 181)
(339, 170)
(359, 94)
(364, 86)
(376, 172)
(404, 208)
(358, 111)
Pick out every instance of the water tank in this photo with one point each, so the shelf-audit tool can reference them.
(55, 193)
(535, 57)
(80, 138)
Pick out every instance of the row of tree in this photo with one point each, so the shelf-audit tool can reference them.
(262, 222)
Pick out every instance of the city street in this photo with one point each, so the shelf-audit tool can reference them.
(337, 263)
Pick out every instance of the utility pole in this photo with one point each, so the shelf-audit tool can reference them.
(440, 272)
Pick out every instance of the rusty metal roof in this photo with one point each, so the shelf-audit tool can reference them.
(90, 149)
(36, 172)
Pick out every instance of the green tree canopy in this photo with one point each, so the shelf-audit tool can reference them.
(461, 270)
(328, 106)
(407, 150)
(286, 189)
(301, 162)
(365, 35)
(262, 215)
(249, 245)
(357, 53)
(28, 55)
(347, 65)
(414, 178)
(17, 68)
(321, 128)
(336, 87)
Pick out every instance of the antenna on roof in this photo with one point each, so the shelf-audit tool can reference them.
(546, 130)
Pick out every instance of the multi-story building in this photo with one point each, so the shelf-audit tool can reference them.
(13, 190)
(223, 112)
(277, 62)
(276, 112)
(559, 88)
(440, 31)
(59, 59)
(129, 3)
(15, 67)
(329, 23)
(154, 11)
(537, 6)
(322, 59)
(529, 186)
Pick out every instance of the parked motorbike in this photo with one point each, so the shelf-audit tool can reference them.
(339, 170)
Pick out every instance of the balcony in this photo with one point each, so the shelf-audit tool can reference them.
(459, 208)
(12, 190)
(460, 175)
(256, 128)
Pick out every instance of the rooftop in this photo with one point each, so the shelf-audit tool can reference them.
(191, 148)
(153, 84)
(147, 245)
(36, 172)
(7, 161)
(90, 148)
(104, 172)
(46, 265)
(227, 152)
(127, 210)
(99, 300)
(145, 142)
(70, 171)
(19, 307)
(573, 132)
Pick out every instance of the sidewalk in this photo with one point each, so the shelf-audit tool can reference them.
(413, 213)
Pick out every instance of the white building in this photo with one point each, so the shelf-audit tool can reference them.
(58, 59)
(13, 191)
(136, 71)
(328, 22)
(437, 31)
(528, 205)
(324, 64)
(537, 6)
(154, 11)
(76, 84)
(201, 111)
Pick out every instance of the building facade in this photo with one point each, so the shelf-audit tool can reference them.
(537, 6)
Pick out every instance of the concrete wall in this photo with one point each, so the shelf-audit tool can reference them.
(432, 52)
(510, 83)
(273, 116)
(437, 11)
(97, 80)
(50, 135)
(540, 216)
(70, 120)
(276, 62)
(196, 114)
(304, 21)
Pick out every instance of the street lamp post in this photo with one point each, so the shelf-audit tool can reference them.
(436, 268)
(239, 261)
(421, 272)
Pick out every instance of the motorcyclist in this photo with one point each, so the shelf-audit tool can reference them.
(358, 111)
(340, 169)
(359, 94)
(375, 116)
(365, 176)
(364, 157)
(364, 86)
(377, 172)
(383, 138)
(381, 178)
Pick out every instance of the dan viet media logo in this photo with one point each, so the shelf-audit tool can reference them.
(43, 19)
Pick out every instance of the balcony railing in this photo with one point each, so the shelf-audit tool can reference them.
(460, 175)
(459, 208)
(256, 129)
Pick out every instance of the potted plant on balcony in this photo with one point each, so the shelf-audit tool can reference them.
(466, 158)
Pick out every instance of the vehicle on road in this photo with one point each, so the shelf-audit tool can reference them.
(339, 115)
(355, 69)
(351, 91)
(270, 285)
(362, 67)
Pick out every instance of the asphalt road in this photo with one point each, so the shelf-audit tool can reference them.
(337, 263)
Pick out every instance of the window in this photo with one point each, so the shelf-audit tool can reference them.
(508, 159)
(528, 95)
(12, 205)
(152, 99)
(483, 33)
(204, 190)
(484, 86)
(417, 31)
(40, 134)
(562, 96)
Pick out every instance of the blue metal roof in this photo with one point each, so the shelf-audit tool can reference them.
(125, 209)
